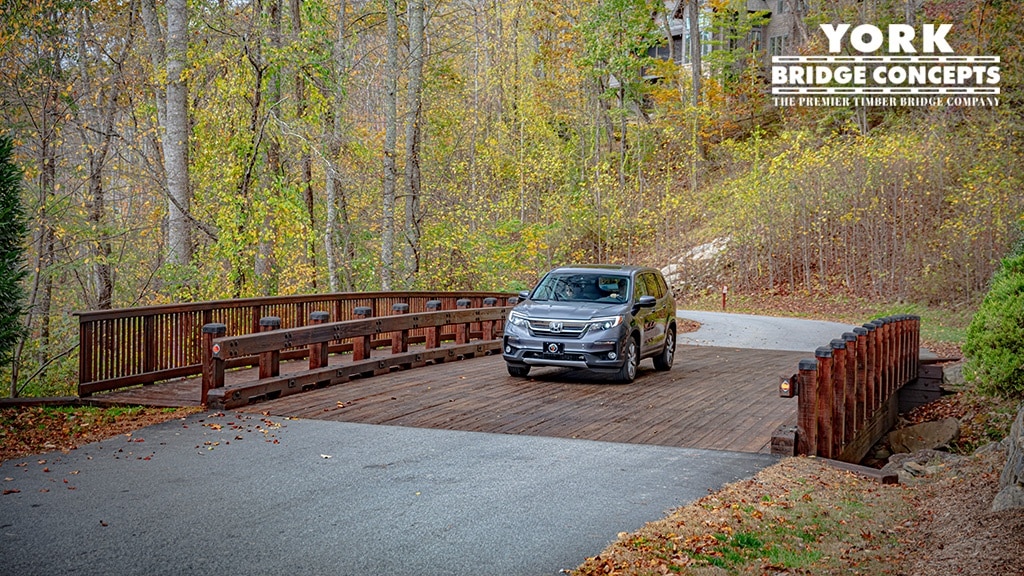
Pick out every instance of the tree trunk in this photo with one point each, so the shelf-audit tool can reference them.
(337, 205)
(693, 13)
(265, 268)
(411, 250)
(306, 159)
(387, 244)
(176, 135)
(97, 112)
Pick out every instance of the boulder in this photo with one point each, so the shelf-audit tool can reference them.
(1011, 482)
(910, 467)
(925, 436)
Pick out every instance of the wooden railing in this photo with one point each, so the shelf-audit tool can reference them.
(127, 347)
(847, 395)
(474, 331)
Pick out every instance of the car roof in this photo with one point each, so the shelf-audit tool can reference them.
(602, 268)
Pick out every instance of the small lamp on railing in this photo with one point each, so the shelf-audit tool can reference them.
(788, 386)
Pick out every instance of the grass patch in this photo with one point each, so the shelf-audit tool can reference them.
(823, 522)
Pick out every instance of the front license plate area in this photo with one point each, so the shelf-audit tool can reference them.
(553, 349)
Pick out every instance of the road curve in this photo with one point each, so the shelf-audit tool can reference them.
(759, 332)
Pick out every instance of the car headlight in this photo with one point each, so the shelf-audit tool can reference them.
(518, 319)
(605, 323)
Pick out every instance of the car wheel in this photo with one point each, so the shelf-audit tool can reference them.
(518, 370)
(631, 353)
(664, 360)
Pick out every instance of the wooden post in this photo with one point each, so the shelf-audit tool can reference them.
(807, 405)
(433, 332)
(318, 355)
(462, 329)
(400, 339)
(825, 394)
(883, 371)
(270, 362)
(863, 384)
(915, 345)
(361, 344)
(213, 368)
(487, 328)
(839, 398)
(852, 422)
(872, 400)
(877, 361)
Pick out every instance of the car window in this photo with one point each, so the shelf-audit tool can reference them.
(582, 287)
(641, 287)
(662, 284)
(653, 288)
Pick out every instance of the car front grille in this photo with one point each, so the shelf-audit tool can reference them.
(559, 328)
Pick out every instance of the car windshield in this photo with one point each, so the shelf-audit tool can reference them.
(583, 287)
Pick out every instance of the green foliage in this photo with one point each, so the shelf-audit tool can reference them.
(13, 232)
(995, 338)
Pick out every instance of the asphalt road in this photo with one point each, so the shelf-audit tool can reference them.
(249, 495)
(233, 494)
(760, 332)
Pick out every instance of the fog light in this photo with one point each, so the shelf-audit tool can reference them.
(508, 349)
(612, 355)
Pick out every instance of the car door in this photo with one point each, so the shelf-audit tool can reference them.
(651, 319)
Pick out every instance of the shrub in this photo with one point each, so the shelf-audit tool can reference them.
(13, 229)
(995, 339)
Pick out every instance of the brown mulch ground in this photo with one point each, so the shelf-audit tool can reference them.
(32, 430)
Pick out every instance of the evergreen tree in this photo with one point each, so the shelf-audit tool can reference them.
(13, 229)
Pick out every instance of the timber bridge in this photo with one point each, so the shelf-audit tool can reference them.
(391, 358)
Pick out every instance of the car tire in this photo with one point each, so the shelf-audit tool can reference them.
(664, 360)
(518, 370)
(631, 354)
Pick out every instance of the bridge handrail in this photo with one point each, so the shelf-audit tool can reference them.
(847, 394)
(269, 346)
(130, 346)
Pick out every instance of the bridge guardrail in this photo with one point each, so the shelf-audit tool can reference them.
(131, 346)
(270, 344)
(847, 394)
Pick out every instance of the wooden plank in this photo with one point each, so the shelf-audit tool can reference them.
(236, 346)
(713, 398)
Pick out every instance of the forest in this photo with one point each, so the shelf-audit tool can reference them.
(192, 150)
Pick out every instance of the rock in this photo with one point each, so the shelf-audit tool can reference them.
(1008, 498)
(1011, 481)
(923, 462)
(953, 375)
(925, 436)
(915, 469)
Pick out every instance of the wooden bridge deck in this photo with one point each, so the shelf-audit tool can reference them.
(713, 398)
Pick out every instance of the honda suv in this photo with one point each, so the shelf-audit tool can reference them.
(602, 318)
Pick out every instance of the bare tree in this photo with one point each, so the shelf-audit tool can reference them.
(337, 206)
(387, 243)
(169, 55)
(417, 33)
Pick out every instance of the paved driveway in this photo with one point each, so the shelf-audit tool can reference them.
(760, 332)
(247, 495)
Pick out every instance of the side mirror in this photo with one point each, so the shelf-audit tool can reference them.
(524, 295)
(647, 301)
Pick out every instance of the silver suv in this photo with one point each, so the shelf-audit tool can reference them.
(602, 318)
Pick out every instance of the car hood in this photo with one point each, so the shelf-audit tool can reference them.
(569, 310)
